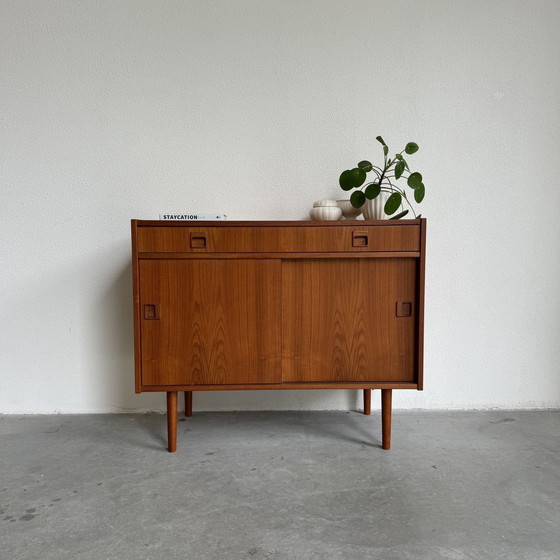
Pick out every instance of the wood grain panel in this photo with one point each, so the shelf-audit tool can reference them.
(284, 386)
(219, 322)
(339, 320)
(420, 318)
(322, 255)
(224, 239)
(136, 310)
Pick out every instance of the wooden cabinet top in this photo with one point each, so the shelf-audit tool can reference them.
(280, 223)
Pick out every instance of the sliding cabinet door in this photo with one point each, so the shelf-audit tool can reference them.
(210, 321)
(349, 320)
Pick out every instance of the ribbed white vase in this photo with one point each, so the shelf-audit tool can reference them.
(373, 209)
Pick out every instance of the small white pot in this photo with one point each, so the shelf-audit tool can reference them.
(325, 213)
(373, 209)
(325, 210)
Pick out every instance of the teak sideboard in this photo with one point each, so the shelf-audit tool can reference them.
(278, 305)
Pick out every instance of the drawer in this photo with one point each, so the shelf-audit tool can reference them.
(274, 239)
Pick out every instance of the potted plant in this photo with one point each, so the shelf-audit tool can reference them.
(384, 182)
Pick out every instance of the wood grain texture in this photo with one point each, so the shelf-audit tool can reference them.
(386, 413)
(277, 255)
(281, 386)
(172, 421)
(136, 311)
(219, 324)
(224, 239)
(339, 320)
(188, 404)
(421, 290)
(274, 223)
(367, 402)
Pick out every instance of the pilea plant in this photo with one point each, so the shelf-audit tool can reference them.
(384, 181)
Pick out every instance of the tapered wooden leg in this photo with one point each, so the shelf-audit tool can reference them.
(172, 421)
(367, 401)
(386, 404)
(188, 403)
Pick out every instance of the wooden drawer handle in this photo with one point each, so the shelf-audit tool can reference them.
(198, 241)
(151, 312)
(360, 239)
(404, 309)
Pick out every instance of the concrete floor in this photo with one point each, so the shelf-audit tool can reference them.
(281, 486)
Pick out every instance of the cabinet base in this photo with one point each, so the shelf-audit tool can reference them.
(386, 409)
(282, 386)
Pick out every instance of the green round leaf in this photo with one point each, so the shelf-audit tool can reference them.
(352, 178)
(419, 193)
(373, 190)
(385, 150)
(393, 203)
(398, 156)
(414, 180)
(346, 180)
(411, 148)
(365, 165)
(379, 139)
(399, 215)
(399, 169)
(357, 199)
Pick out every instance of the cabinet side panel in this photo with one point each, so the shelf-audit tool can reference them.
(210, 321)
(421, 291)
(343, 320)
(136, 308)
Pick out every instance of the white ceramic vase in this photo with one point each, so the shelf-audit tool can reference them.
(373, 209)
(348, 211)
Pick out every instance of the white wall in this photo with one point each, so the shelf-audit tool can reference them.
(119, 110)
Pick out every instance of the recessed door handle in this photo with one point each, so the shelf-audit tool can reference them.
(151, 312)
(404, 308)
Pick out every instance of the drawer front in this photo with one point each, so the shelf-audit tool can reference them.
(312, 239)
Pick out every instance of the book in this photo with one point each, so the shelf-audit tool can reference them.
(193, 216)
